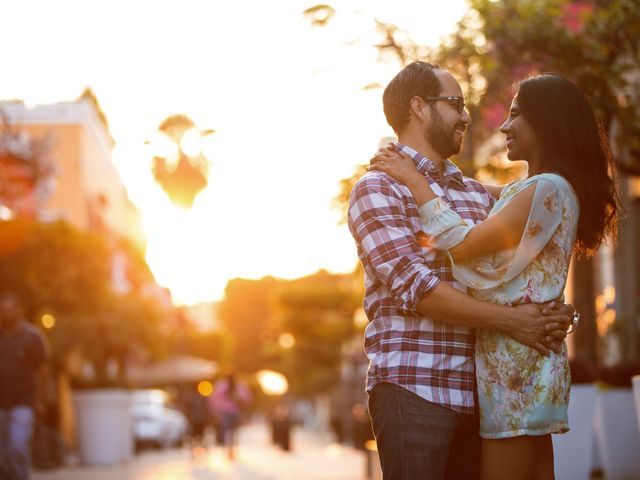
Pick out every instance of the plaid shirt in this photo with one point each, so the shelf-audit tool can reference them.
(430, 358)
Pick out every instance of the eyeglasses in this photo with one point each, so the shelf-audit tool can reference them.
(456, 102)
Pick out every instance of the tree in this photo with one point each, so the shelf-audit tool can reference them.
(316, 312)
(56, 267)
(245, 312)
(94, 346)
(67, 274)
(296, 327)
(341, 200)
(596, 44)
(182, 175)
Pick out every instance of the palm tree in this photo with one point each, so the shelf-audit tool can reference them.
(181, 175)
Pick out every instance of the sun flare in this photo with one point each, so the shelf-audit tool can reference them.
(286, 100)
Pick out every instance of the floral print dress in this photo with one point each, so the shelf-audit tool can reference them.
(520, 391)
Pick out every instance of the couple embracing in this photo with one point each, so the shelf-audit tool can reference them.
(468, 375)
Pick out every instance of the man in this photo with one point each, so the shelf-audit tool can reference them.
(420, 337)
(23, 357)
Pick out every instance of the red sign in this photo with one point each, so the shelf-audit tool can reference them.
(17, 179)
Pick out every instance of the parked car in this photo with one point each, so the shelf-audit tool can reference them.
(155, 423)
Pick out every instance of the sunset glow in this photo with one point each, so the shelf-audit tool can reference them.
(285, 100)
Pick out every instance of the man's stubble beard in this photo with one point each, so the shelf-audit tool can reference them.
(441, 137)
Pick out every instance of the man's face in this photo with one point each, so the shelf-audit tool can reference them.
(445, 130)
(10, 311)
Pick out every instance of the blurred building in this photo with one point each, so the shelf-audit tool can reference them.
(86, 190)
(82, 188)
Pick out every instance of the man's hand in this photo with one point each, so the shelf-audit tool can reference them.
(537, 329)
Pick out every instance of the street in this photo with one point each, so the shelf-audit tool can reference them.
(313, 457)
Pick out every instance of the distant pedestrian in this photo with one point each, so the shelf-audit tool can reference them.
(197, 411)
(24, 355)
(281, 424)
(229, 399)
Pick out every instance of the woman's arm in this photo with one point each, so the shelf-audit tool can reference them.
(502, 231)
(520, 230)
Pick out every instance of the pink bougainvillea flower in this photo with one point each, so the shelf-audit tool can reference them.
(575, 15)
(523, 70)
(494, 114)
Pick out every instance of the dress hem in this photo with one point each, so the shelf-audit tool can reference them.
(526, 432)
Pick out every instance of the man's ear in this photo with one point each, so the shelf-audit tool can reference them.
(417, 107)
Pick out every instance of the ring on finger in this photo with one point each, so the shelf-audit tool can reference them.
(574, 322)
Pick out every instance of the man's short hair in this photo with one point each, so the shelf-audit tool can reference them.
(416, 79)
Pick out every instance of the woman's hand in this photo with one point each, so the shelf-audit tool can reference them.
(398, 165)
(401, 166)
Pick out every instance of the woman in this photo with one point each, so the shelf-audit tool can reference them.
(228, 401)
(521, 254)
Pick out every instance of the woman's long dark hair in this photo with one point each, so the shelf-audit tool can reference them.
(574, 145)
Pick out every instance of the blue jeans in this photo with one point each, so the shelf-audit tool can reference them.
(16, 428)
(419, 440)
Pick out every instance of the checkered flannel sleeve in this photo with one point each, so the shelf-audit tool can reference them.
(386, 243)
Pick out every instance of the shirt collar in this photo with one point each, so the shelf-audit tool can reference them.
(426, 166)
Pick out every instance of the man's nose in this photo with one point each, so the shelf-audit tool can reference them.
(465, 117)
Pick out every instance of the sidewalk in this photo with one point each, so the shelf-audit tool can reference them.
(313, 457)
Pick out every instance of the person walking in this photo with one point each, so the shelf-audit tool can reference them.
(228, 401)
(24, 355)
(196, 408)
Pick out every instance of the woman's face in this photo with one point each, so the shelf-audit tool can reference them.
(521, 139)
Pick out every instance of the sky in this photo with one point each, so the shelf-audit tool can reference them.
(285, 99)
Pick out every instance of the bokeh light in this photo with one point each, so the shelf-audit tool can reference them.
(205, 388)
(286, 340)
(272, 383)
(48, 321)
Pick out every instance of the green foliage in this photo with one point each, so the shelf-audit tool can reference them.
(318, 311)
(245, 313)
(594, 43)
(208, 345)
(341, 200)
(57, 268)
(104, 338)
(66, 273)
(315, 311)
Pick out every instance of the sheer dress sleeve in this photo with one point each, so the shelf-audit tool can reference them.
(446, 229)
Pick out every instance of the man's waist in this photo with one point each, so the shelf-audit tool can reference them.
(421, 356)
(458, 396)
